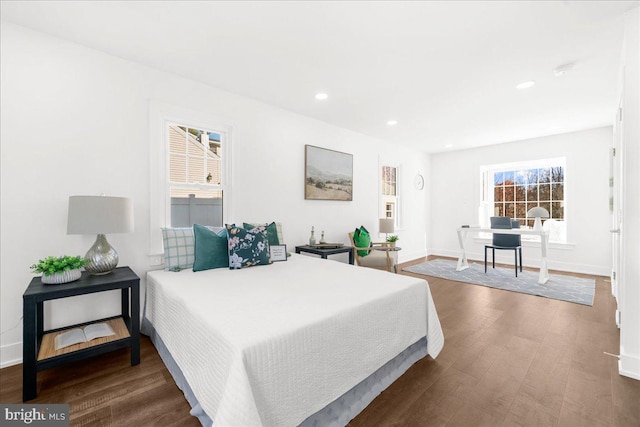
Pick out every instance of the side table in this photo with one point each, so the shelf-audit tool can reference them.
(39, 351)
(324, 252)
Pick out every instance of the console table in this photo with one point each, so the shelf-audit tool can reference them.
(463, 264)
(39, 351)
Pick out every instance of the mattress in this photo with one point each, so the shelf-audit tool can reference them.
(271, 345)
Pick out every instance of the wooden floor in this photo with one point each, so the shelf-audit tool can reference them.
(509, 359)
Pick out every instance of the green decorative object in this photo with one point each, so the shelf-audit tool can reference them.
(392, 239)
(362, 239)
(57, 270)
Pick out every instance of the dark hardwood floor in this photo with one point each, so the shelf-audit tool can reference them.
(509, 360)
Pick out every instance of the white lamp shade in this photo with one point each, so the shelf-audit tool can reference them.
(538, 212)
(386, 225)
(99, 215)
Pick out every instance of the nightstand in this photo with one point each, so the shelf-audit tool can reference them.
(38, 345)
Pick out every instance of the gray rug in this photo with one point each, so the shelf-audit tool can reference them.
(565, 288)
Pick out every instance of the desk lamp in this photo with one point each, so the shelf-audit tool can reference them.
(538, 213)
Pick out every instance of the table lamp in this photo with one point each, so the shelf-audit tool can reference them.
(538, 213)
(100, 215)
(386, 226)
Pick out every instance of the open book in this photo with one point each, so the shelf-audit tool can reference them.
(78, 335)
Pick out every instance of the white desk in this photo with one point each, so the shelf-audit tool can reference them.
(463, 264)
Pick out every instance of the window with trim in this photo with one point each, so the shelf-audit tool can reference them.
(513, 189)
(195, 175)
(390, 193)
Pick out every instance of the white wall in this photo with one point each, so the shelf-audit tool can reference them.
(455, 198)
(75, 121)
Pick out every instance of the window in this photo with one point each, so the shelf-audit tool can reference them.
(513, 189)
(195, 176)
(190, 154)
(389, 193)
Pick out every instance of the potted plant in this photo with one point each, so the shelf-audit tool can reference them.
(392, 240)
(58, 270)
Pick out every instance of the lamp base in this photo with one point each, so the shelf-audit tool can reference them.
(101, 257)
(537, 225)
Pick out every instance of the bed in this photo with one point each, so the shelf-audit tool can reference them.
(299, 342)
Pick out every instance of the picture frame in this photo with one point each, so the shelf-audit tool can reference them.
(328, 174)
(278, 252)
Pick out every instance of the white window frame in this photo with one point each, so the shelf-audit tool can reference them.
(160, 116)
(487, 194)
(397, 199)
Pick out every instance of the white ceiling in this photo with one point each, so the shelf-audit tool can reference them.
(445, 70)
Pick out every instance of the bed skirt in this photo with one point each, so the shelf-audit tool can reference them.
(336, 414)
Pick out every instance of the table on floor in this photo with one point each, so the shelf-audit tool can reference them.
(463, 264)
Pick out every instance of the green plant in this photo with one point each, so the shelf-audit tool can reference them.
(51, 265)
(393, 238)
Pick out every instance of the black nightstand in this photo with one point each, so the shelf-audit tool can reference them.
(324, 252)
(38, 350)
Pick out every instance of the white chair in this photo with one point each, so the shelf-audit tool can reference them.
(379, 255)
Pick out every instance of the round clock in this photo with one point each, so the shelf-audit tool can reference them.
(418, 182)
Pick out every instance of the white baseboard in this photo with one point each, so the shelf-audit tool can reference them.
(629, 366)
(411, 256)
(596, 270)
(10, 355)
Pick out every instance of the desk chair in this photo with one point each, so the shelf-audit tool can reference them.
(385, 259)
(504, 241)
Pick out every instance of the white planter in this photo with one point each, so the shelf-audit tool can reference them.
(61, 277)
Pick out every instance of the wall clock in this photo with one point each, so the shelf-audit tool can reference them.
(418, 182)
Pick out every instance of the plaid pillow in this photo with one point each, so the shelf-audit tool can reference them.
(178, 248)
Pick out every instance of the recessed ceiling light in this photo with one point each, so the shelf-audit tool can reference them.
(525, 85)
(321, 96)
(563, 69)
(392, 122)
(448, 146)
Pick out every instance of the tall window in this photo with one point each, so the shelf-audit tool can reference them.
(390, 196)
(512, 190)
(195, 172)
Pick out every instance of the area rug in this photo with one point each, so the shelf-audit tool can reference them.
(564, 288)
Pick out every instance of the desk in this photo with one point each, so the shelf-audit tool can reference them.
(463, 264)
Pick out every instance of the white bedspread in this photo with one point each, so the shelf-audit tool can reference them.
(271, 345)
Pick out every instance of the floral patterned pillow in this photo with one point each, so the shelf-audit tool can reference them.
(247, 247)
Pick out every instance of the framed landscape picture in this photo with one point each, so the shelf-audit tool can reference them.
(328, 174)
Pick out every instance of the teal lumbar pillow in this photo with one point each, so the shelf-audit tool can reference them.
(210, 249)
(271, 230)
(362, 239)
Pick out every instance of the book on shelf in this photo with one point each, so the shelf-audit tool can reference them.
(86, 334)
